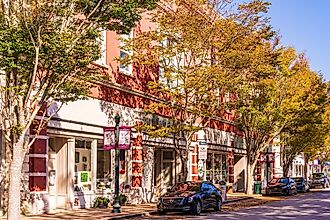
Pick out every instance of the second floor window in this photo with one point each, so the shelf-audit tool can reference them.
(126, 68)
(103, 41)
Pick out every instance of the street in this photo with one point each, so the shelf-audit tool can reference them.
(313, 205)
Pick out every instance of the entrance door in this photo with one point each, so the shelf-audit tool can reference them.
(167, 170)
(167, 174)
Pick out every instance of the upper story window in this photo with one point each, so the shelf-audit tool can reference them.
(103, 40)
(126, 68)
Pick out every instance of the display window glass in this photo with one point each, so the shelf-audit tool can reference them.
(216, 167)
(82, 180)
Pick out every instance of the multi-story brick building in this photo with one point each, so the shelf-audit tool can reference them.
(67, 166)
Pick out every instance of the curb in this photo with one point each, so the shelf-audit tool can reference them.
(237, 200)
(127, 216)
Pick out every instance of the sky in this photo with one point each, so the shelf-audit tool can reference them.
(305, 25)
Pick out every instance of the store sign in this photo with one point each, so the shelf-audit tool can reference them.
(202, 152)
(200, 167)
(109, 138)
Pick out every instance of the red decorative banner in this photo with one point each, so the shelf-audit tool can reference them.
(109, 138)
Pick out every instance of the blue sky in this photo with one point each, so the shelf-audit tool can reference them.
(305, 25)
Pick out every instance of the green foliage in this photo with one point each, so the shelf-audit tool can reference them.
(122, 199)
(101, 202)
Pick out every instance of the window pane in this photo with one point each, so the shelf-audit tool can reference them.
(124, 67)
(103, 167)
(83, 180)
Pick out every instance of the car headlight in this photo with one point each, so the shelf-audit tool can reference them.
(190, 199)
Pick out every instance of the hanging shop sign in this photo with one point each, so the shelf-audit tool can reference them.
(109, 138)
(200, 168)
(202, 152)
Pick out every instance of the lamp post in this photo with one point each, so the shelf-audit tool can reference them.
(116, 204)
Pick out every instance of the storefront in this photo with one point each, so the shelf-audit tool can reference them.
(78, 169)
(216, 167)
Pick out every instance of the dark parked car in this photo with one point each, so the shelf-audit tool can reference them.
(190, 197)
(320, 179)
(302, 184)
(282, 186)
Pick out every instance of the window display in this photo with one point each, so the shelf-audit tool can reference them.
(104, 178)
(82, 179)
(216, 167)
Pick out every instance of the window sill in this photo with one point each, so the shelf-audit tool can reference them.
(126, 73)
(101, 64)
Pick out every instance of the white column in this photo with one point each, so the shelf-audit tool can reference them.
(189, 166)
(212, 167)
(71, 173)
(94, 164)
(2, 167)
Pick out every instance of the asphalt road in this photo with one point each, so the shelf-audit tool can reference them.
(313, 205)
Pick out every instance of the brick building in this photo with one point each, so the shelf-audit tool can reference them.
(67, 166)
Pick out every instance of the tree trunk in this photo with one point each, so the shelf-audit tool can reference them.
(286, 169)
(15, 181)
(249, 178)
(184, 168)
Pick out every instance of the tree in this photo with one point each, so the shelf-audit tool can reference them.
(46, 51)
(195, 48)
(307, 136)
(274, 95)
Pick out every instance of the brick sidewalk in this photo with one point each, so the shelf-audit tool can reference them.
(96, 213)
(128, 211)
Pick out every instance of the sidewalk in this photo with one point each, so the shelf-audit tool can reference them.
(128, 211)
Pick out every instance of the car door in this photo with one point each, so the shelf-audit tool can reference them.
(293, 185)
(214, 195)
(205, 195)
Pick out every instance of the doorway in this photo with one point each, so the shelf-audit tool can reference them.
(167, 169)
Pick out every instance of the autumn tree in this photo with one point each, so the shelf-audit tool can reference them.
(194, 48)
(274, 95)
(309, 135)
(46, 51)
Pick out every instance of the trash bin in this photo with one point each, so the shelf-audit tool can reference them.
(257, 187)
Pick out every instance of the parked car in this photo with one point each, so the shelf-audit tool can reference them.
(302, 184)
(190, 196)
(282, 186)
(320, 179)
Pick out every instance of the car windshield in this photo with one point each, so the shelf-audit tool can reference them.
(187, 186)
(298, 180)
(318, 175)
(280, 180)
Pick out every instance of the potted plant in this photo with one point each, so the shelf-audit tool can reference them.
(101, 202)
(122, 199)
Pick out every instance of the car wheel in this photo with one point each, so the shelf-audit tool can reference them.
(197, 208)
(289, 192)
(218, 205)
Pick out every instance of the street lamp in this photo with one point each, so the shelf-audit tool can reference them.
(116, 204)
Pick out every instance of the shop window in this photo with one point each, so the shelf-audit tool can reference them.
(104, 177)
(216, 168)
(83, 180)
